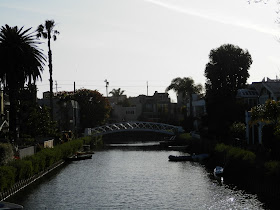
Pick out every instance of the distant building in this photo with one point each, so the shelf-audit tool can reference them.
(156, 108)
(199, 110)
(198, 106)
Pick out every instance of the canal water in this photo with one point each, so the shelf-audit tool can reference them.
(133, 178)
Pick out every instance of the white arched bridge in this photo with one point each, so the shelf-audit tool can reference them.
(134, 126)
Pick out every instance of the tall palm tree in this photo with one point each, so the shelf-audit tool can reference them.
(47, 32)
(21, 61)
(186, 87)
(117, 92)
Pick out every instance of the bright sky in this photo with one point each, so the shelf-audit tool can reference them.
(132, 42)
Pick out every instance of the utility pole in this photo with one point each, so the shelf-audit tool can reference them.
(107, 84)
(147, 88)
(56, 86)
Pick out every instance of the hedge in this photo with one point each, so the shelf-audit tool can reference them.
(235, 153)
(272, 168)
(7, 177)
(18, 170)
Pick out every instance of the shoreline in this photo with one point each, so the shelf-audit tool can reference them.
(24, 183)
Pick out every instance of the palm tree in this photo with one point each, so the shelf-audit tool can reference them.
(186, 87)
(21, 61)
(117, 92)
(47, 32)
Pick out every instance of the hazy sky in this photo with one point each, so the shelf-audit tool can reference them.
(132, 42)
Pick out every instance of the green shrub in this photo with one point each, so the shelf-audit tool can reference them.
(41, 159)
(220, 148)
(235, 154)
(7, 177)
(6, 153)
(185, 136)
(96, 142)
(17, 170)
(238, 130)
(272, 168)
(24, 169)
(35, 163)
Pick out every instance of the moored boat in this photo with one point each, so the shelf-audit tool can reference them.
(200, 157)
(180, 158)
(193, 157)
(85, 152)
(184, 147)
(79, 157)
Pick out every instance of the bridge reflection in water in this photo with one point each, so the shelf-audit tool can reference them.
(134, 126)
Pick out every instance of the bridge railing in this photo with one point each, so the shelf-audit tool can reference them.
(134, 126)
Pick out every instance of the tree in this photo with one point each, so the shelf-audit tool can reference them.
(186, 87)
(268, 117)
(268, 113)
(94, 108)
(21, 61)
(47, 32)
(6, 153)
(226, 72)
(117, 92)
(38, 123)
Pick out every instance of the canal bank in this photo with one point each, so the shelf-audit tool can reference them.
(24, 183)
(244, 167)
(19, 173)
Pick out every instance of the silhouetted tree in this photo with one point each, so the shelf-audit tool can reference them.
(186, 87)
(21, 60)
(94, 108)
(226, 72)
(117, 92)
(47, 32)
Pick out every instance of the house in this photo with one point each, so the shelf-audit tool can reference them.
(250, 97)
(199, 109)
(259, 93)
(198, 106)
(155, 108)
(4, 112)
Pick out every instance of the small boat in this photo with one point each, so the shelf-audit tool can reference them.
(180, 158)
(200, 157)
(79, 157)
(6, 205)
(218, 171)
(84, 152)
(178, 147)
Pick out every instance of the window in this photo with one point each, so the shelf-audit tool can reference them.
(129, 112)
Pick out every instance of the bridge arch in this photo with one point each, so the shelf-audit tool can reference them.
(134, 126)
